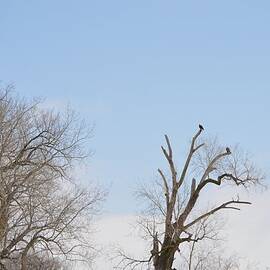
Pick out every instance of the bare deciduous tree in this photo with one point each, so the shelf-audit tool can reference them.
(173, 202)
(42, 210)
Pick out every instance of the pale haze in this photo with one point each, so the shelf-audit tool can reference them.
(137, 70)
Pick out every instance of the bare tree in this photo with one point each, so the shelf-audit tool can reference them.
(42, 209)
(173, 206)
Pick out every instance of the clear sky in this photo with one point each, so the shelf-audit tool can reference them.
(139, 69)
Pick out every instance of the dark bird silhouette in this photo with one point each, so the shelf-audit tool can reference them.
(228, 150)
(201, 127)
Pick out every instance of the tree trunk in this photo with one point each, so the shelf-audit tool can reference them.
(24, 263)
(165, 260)
(3, 219)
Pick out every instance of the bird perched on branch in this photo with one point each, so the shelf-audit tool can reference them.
(201, 127)
(228, 150)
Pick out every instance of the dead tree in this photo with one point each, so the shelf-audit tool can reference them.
(174, 201)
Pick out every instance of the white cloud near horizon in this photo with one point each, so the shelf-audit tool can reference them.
(246, 230)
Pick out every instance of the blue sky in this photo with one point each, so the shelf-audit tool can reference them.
(139, 69)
